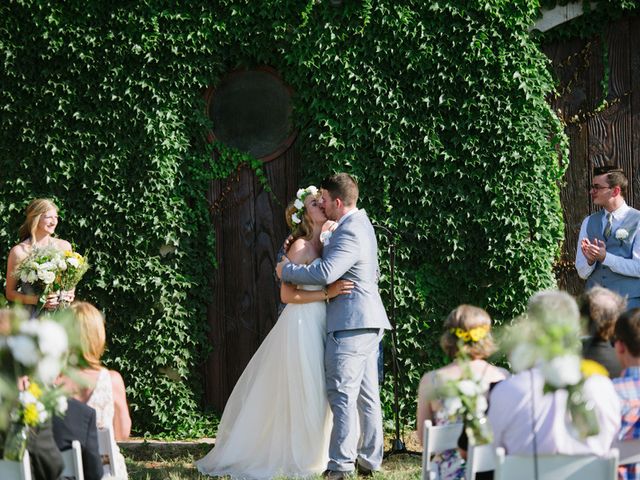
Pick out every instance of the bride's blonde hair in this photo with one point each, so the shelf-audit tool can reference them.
(34, 212)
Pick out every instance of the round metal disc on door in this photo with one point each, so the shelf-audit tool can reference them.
(250, 111)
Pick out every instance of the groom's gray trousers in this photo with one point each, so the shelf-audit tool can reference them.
(351, 365)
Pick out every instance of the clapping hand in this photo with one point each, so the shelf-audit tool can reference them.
(594, 251)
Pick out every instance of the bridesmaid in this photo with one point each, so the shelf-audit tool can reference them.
(36, 231)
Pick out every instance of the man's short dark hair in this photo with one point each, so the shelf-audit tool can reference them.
(627, 330)
(615, 177)
(342, 186)
(601, 307)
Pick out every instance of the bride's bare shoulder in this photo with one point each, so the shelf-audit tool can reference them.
(301, 251)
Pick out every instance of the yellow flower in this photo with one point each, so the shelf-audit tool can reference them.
(479, 333)
(34, 390)
(68, 253)
(31, 415)
(590, 367)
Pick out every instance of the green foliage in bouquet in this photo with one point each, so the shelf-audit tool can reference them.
(32, 353)
(438, 108)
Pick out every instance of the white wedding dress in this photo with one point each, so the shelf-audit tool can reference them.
(277, 420)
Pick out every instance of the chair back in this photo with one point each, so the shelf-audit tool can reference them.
(16, 470)
(554, 467)
(480, 458)
(72, 458)
(106, 443)
(629, 451)
(436, 439)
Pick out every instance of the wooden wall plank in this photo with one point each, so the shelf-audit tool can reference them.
(634, 113)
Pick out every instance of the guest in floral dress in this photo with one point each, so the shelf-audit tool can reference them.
(467, 330)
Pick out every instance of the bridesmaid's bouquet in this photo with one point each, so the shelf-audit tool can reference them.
(40, 268)
(49, 270)
(70, 274)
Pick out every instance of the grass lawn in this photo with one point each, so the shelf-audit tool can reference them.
(175, 462)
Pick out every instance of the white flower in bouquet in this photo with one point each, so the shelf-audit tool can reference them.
(62, 404)
(48, 369)
(622, 234)
(24, 349)
(452, 405)
(562, 371)
(481, 405)
(62, 265)
(468, 388)
(73, 262)
(46, 276)
(522, 357)
(52, 338)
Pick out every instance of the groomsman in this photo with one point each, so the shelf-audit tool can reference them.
(608, 253)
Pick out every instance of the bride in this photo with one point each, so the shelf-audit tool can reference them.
(277, 420)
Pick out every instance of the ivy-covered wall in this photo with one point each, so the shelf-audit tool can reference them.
(438, 108)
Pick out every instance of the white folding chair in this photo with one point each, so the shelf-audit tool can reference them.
(554, 467)
(16, 470)
(629, 451)
(436, 439)
(73, 462)
(480, 458)
(106, 442)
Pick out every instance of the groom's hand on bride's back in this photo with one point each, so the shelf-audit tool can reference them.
(281, 264)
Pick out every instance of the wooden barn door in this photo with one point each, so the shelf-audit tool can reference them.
(599, 133)
(250, 111)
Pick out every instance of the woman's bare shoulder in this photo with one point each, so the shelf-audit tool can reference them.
(302, 251)
(19, 251)
(62, 244)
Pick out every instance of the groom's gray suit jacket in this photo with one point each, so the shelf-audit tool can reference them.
(350, 254)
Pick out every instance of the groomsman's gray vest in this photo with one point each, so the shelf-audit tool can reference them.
(602, 275)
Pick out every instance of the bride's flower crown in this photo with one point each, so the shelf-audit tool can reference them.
(298, 214)
(473, 335)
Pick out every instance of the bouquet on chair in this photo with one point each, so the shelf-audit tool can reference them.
(32, 355)
(466, 398)
(552, 344)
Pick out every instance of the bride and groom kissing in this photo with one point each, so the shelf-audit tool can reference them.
(308, 401)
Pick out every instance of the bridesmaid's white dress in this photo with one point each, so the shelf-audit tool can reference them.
(277, 421)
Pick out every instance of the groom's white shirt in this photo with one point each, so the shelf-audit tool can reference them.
(347, 215)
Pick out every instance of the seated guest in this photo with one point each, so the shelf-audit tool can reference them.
(79, 423)
(467, 328)
(106, 391)
(627, 346)
(46, 460)
(601, 308)
(517, 394)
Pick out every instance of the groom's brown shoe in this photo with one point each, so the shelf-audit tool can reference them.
(337, 475)
(363, 471)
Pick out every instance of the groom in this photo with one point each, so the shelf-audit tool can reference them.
(355, 325)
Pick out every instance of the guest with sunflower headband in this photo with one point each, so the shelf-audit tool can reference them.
(467, 333)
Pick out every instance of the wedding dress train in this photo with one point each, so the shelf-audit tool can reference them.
(277, 420)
